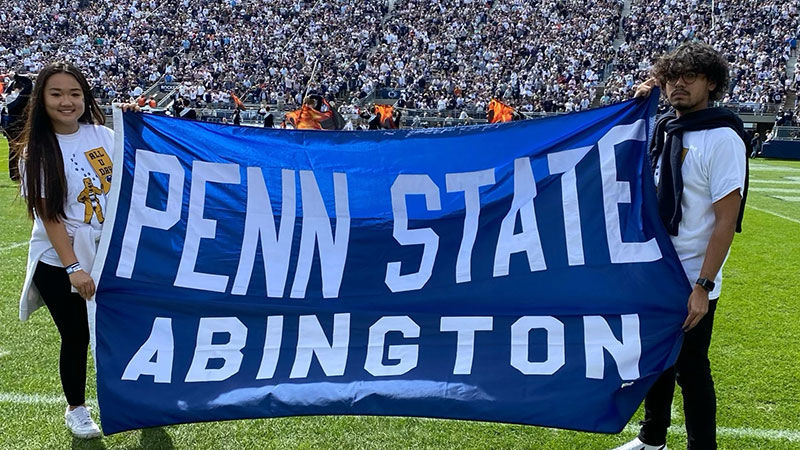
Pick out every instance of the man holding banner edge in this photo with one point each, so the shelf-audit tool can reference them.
(699, 161)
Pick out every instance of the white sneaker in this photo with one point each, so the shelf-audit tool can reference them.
(636, 444)
(80, 423)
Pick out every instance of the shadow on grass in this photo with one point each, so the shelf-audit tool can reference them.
(155, 439)
(88, 444)
(150, 439)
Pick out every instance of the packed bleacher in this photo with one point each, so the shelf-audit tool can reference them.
(214, 46)
(452, 54)
(756, 36)
(441, 55)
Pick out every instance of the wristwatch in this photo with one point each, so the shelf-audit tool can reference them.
(705, 283)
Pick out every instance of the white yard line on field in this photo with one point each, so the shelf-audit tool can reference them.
(790, 219)
(770, 435)
(781, 190)
(677, 413)
(13, 246)
(788, 198)
(37, 399)
(765, 168)
(775, 182)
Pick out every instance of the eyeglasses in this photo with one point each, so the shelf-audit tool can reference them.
(688, 78)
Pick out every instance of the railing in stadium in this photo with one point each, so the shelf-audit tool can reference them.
(434, 117)
(786, 134)
(410, 118)
(747, 108)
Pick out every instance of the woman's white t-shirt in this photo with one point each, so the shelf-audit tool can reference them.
(713, 167)
(87, 167)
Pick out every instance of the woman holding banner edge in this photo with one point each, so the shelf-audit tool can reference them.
(65, 170)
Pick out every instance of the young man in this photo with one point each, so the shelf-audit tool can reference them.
(700, 165)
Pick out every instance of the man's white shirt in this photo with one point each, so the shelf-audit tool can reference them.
(714, 166)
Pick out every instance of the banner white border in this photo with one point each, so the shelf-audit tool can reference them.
(117, 160)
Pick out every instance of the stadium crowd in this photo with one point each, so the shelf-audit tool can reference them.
(549, 55)
(453, 54)
(758, 37)
(212, 47)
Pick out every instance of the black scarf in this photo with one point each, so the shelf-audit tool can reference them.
(667, 146)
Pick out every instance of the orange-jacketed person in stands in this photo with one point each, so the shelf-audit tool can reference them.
(307, 118)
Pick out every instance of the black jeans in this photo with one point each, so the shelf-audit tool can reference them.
(69, 314)
(693, 373)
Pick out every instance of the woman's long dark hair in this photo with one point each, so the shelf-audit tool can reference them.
(44, 177)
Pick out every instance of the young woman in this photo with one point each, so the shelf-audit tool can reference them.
(66, 174)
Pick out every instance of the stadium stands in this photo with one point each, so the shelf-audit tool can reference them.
(440, 55)
(756, 36)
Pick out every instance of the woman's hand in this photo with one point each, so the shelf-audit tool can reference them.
(83, 283)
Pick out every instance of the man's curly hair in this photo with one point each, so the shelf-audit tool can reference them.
(698, 57)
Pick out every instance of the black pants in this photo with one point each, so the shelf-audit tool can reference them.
(69, 314)
(693, 373)
(13, 167)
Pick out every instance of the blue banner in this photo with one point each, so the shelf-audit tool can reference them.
(384, 93)
(514, 272)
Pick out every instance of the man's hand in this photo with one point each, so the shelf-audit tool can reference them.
(698, 307)
(129, 107)
(643, 90)
(83, 283)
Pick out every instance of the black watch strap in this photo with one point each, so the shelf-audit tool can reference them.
(706, 284)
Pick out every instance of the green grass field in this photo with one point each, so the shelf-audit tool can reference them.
(755, 358)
